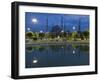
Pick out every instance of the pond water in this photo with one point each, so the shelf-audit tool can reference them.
(56, 55)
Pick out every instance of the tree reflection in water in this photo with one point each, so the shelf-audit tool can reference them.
(56, 48)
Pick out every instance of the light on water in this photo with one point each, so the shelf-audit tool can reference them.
(35, 61)
(62, 47)
(73, 51)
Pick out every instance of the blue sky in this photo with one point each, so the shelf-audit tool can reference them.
(69, 21)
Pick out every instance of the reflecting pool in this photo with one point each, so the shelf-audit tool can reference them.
(56, 55)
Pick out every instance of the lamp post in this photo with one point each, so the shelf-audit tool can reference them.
(74, 28)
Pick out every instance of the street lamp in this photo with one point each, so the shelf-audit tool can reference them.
(28, 29)
(74, 27)
(41, 31)
(34, 20)
(62, 31)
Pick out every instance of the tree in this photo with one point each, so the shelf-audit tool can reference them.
(47, 35)
(74, 35)
(41, 35)
(29, 35)
(63, 34)
(86, 34)
(35, 36)
(52, 35)
(68, 35)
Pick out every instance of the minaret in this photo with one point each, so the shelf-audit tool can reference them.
(79, 28)
(62, 23)
(79, 23)
(47, 24)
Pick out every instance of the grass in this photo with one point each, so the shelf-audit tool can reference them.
(55, 41)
